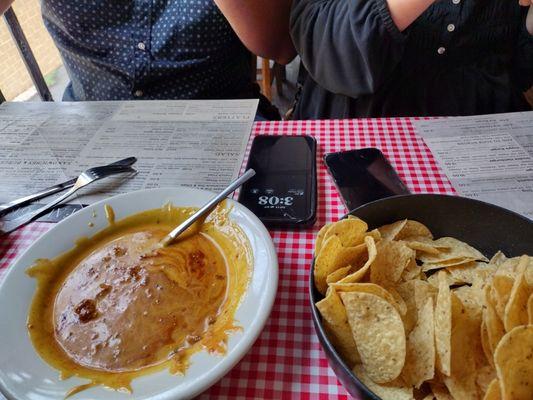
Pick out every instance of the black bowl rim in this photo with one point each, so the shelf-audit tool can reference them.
(450, 196)
(317, 319)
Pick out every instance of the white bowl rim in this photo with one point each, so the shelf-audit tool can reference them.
(250, 334)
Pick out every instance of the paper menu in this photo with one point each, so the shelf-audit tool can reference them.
(202, 155)
(206, 111)
(488, 157)
(193, 143)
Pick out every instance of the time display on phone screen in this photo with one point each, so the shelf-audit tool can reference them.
(276, 199)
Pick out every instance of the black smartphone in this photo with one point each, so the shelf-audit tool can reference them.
(283, 191)
(363, 175)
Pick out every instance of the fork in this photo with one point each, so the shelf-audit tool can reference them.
(7, 207)
(85, 178)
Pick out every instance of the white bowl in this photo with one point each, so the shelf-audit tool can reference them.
(24, 375)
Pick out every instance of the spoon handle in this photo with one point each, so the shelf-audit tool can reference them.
(207, 208)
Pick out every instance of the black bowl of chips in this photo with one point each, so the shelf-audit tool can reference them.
(396, 275)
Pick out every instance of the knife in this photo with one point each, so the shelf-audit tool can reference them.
(6, 207)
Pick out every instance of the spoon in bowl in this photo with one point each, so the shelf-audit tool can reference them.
(206, 208)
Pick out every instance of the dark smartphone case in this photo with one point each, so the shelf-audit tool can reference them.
(363, 175)
(282, 221)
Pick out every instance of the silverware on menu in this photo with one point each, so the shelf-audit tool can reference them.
(6, 207)
(86, 178)
(207, 208)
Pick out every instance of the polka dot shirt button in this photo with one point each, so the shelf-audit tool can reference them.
(194, 53)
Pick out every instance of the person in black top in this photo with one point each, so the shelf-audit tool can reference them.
(379, 58)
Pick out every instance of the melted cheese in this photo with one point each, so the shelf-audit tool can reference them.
(118, 305)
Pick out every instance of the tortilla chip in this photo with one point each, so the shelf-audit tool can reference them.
(391, 260)
(516, 308)
(472, 299)
(495, 328)
(422, 247)
(468, 272)
(514, 363)
(529, 272)
(320, 237)
(501, 287)
(411, 271)
(493, 391)
(337, 327)
(420, 354)
(462, 381)
(390, 391)
(415, 294)
(494, 324)
(443, 325)
(498, 258)
(434, 281)
(337, 275)
(456, 250)
(325, 262)
(485, 375)
(378, 331)
(369, 288)
(530, 309)
(452, 262)
(360, 273)
(508, 267)
(389, 232)
(333, 256)
(399, 302)
(440, 392)
(460, 249)
(350, 231)
(355, 256)
(487, 349)
(423, 291)
(406, 290)
(413, 229)
(375, 235)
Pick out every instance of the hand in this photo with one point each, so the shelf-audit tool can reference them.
(525, 3)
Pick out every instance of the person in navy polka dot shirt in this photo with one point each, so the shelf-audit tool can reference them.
(165, 49)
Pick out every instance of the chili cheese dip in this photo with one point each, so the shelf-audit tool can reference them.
(119, 305)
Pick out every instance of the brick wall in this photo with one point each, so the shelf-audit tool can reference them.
(14, 79)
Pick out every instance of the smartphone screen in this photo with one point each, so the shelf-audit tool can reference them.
(283, 191)
(363, 175)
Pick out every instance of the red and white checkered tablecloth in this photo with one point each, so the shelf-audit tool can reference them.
(287, 360)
